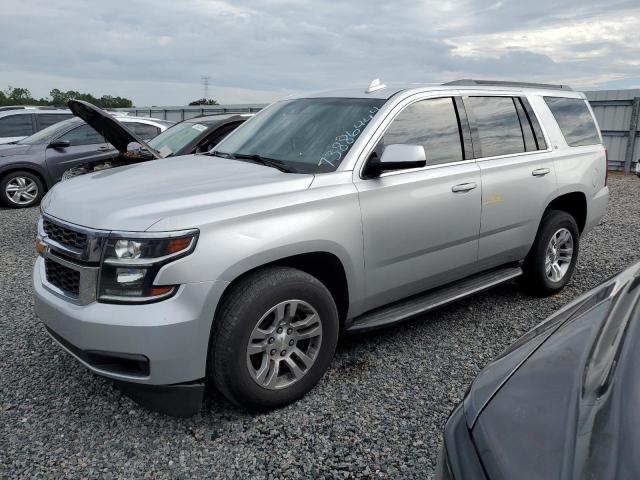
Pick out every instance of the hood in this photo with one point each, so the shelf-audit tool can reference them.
(8, 149)
(136, 196)
(113, 131)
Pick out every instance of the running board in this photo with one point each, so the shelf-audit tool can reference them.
(405, 309)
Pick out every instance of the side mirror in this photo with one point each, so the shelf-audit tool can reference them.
(60, 144)
(134, 147)
(397, 157)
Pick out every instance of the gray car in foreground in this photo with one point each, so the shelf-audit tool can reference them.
(340, 211)
(562, 401)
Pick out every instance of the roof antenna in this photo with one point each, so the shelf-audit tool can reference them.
(375, 85)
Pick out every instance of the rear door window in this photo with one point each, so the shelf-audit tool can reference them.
(432, 123)
(498, 125)
(47, 119)
(575, 120)
(16, 126)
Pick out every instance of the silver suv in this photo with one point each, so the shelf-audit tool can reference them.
(333, 212)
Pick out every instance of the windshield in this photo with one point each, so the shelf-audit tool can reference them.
(309, 135)
(49, 133)
(176, 137)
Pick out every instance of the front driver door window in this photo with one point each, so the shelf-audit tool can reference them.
(418, 232)
(86, 146)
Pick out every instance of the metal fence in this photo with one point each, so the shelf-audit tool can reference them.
(617, 113)
(176, 114)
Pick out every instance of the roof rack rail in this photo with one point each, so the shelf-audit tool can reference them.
(501, 83)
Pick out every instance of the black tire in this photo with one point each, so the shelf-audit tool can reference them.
(535, 279)
(241, 309)
(7, 201)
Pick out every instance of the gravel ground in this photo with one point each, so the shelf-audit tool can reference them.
(378, 412)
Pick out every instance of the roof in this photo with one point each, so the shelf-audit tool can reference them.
(217, 117)
(29, 111)
(390, 90)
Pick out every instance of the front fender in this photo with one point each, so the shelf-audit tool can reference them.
(6, 167)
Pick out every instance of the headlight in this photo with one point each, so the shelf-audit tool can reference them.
(131, 263)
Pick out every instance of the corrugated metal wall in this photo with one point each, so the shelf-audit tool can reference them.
(617, 113)
(176, 114)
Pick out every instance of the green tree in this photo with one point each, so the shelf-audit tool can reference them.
(59, 98)
(204, 101)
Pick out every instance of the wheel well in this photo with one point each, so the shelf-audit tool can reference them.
(26, 169)
(326, 267)
(575, 204)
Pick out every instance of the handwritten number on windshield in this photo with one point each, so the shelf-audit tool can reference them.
(344, 141)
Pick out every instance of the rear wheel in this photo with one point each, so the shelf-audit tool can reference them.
(21, 189)
(273, 338)
(552, 259)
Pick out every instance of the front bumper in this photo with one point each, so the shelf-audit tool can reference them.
(172, 335)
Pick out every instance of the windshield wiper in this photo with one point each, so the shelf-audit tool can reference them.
(266, 161)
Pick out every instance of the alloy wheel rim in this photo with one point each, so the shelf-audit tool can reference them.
(284, 344)
(21, 190)
(559, 255)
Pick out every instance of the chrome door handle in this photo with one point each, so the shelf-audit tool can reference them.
(104, 149)
(464, 187)
(540, 172)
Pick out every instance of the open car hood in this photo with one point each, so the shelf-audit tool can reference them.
(113, 131)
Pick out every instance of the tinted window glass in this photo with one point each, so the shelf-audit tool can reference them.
(575, 120)
(498, 125)
(16, 126)
(431, 123)
(84, 135)
(47, 119)
(142, 130)
(308, 134)
(530, 143)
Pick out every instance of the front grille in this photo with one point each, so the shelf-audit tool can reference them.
(65, 236)
(65, 278)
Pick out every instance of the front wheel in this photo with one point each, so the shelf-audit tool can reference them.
(21, 189)
(552, 259)
(273, 338)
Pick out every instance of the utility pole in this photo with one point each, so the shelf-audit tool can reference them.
(205, 86)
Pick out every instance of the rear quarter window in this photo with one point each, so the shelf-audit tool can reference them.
(575, 120)
(16, 126)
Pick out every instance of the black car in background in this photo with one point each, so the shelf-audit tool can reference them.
(560, 403)
(196, 135)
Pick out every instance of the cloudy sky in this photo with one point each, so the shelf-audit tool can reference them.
(155, 52)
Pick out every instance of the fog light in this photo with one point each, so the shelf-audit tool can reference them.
(40, 247)
(130, 275)
(128, 249)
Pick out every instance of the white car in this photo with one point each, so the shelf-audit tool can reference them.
(638, 167)
(144, 127)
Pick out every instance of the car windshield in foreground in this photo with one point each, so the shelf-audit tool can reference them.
(307, 135)
(47, 134)
(177, 136)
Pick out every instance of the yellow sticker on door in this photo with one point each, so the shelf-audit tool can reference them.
(493, 199)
